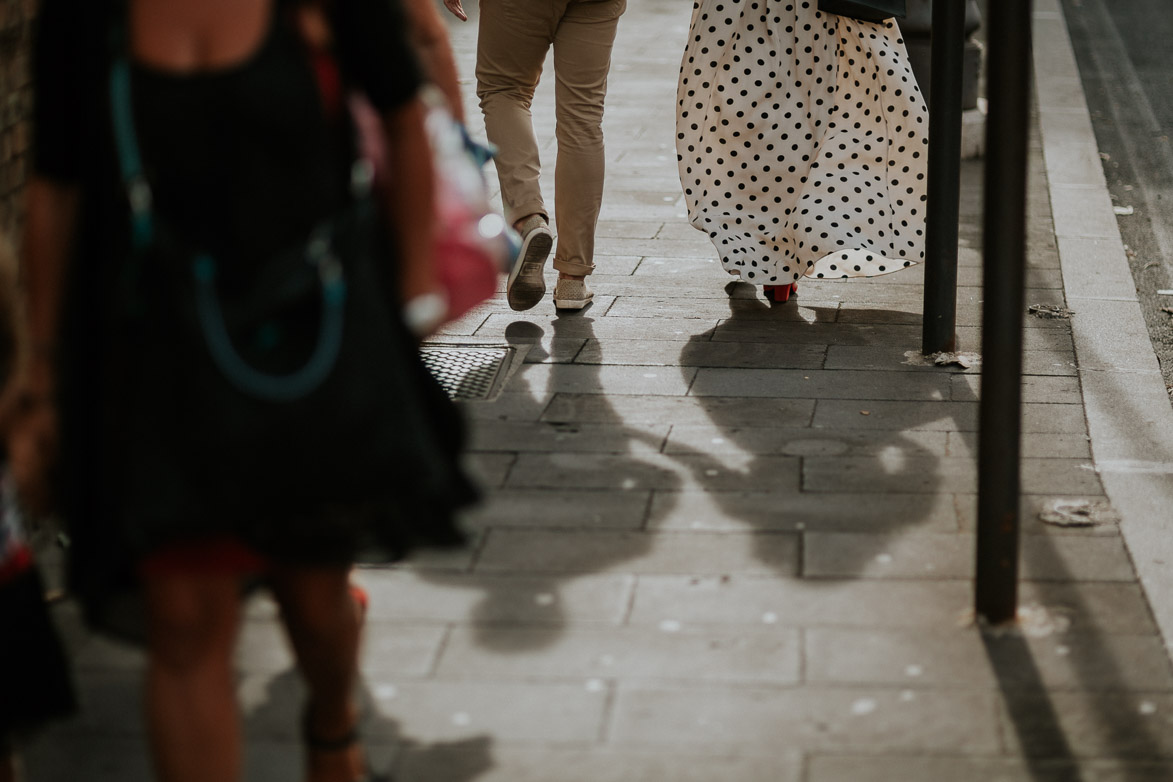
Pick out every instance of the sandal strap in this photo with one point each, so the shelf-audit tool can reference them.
(318, 743)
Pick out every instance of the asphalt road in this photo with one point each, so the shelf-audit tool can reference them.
(1125, 54)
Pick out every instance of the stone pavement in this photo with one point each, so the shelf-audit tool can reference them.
(729, 540)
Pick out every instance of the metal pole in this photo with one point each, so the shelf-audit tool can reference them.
(1004, 243)
(939, 328)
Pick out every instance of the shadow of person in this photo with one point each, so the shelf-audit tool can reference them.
(572, 504)
(272, 723)
(820, 448)
(874, 434)
(1096, 696)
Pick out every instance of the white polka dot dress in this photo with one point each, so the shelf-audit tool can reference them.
(802, 141)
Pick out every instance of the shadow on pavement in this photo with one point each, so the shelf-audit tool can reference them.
(273, 725)
(500, 595)
(1103, 696)
(886, 460)
(1102, 701)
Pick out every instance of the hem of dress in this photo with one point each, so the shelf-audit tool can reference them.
(900, 262)
(738, 276)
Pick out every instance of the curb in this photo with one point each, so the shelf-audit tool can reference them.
(1129, 416)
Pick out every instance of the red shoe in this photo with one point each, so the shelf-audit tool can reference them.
(780, 294)
(361, 601)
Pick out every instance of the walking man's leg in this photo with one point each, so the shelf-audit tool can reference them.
(582, 60)
(512, 42)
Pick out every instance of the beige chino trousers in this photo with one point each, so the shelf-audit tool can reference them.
(513, 39)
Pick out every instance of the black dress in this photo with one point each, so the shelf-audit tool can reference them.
(243, 161)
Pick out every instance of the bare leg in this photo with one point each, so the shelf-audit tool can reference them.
(7, 765)
(323, 624)
(192, 715)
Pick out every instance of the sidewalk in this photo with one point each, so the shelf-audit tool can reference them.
(726, 540)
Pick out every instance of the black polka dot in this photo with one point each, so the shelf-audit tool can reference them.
(799, 138)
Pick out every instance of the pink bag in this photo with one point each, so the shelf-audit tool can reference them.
(473, 244)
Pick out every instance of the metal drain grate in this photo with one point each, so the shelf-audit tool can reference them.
(470, 372)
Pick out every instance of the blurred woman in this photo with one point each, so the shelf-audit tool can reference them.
(236, 113)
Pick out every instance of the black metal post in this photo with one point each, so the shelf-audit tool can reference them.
(1004, 280)
(939, 324)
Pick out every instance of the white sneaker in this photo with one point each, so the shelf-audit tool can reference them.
(572, 294)
(526, 286)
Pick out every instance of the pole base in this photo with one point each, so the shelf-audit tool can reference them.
(973, 132)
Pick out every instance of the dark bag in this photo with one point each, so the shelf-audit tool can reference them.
(291, 387)
(37, 685)
(865, 10)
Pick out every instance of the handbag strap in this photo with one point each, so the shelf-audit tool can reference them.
(319, 253)
(130, 164)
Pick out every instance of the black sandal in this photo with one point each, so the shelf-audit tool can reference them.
(343, 743)
(316, 743)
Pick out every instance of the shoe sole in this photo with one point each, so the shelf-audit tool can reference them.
(526, 285)
(572, 304)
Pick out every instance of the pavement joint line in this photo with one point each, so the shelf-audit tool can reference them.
(1142, 496)
(1134, 466)
(1123, 371)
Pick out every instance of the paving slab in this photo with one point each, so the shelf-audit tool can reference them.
(702, 353)
(459, 710)
(545, 436)
(960, 658)
(712, 307)
(636, 410)
(906, 358)
(1034, 444)
(993, 769)
(407, 650)
(573, 551)
(590, 324)
(105, 758)
(810, 718)
(402, 596)
(490, 470)
(956, 416)
(649, 470)
(601, 764)
(922, 555)
(798, 441)
(1032, 506)
(1090, 725)
(559, 507)
(668, 601)
(750, 656)
(1036, 389)
(704, 510)
(579, 379)
(820, 384)
(508, 406)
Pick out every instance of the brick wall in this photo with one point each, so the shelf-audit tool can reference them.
(15, 106)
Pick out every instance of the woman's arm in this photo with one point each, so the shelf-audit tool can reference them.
(410, 200)
(430, 38)
(457, 9)
(50, 223)
(30, 417)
